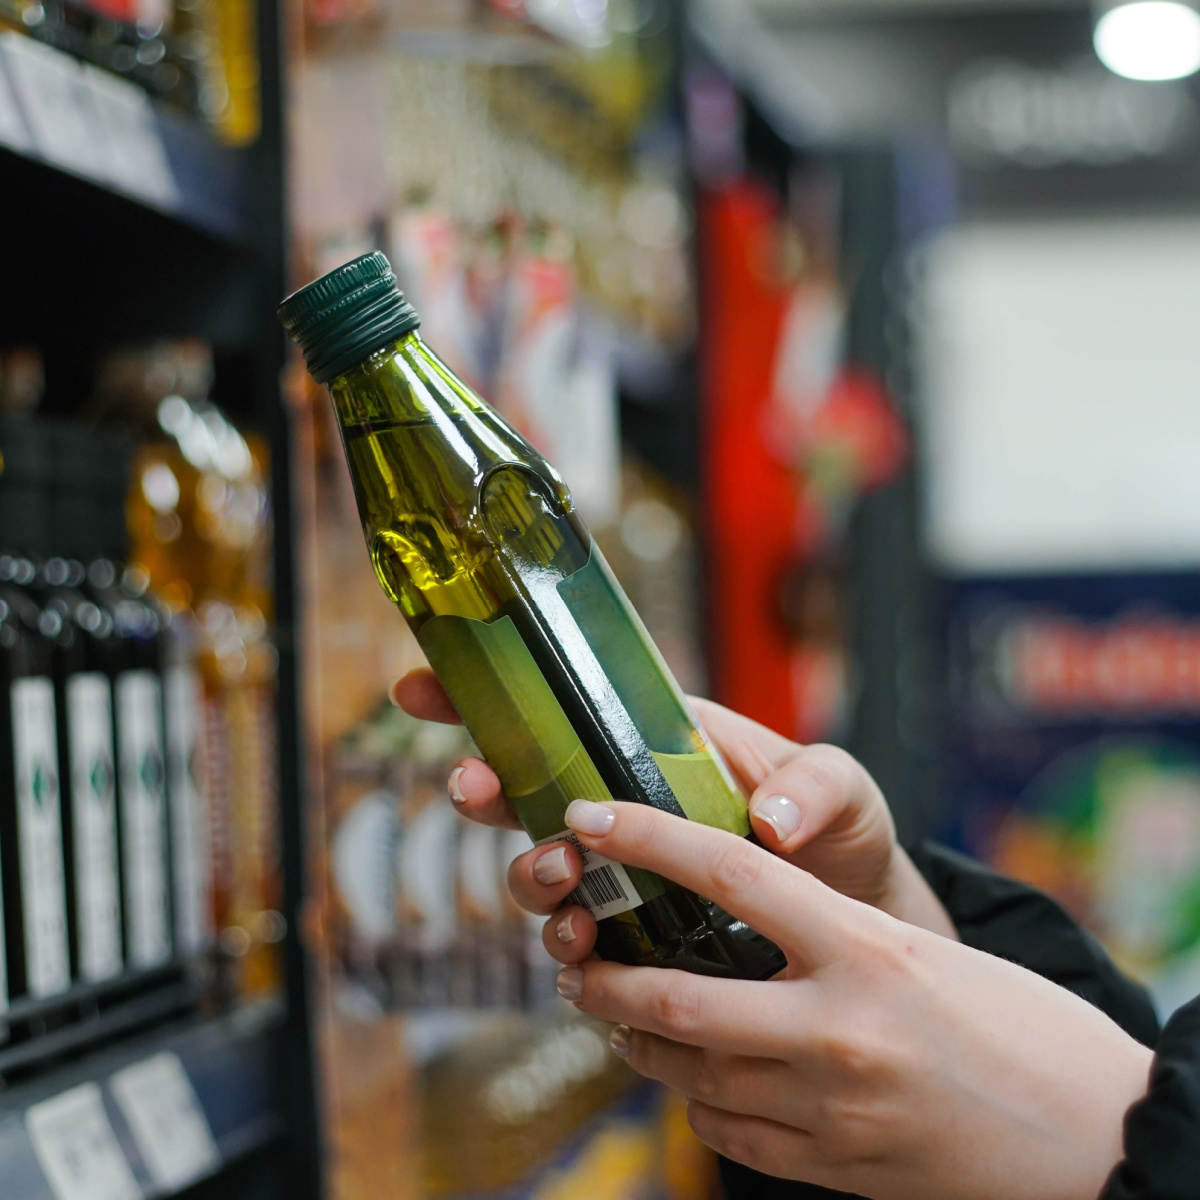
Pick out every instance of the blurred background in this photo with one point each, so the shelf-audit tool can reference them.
(865, 333)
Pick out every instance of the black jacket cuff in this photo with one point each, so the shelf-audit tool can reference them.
(1162, 1132)
(1012, 920)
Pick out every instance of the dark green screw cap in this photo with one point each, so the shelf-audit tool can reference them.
(341, 318)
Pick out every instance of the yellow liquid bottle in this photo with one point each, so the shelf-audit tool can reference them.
(475, 538)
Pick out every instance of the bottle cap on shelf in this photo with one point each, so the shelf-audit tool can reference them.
(344, 316)
(25, 470)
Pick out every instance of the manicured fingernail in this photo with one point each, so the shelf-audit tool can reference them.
(586, 816)
(552, 867)
(781, 814)
(570, 983)
(621, 1040)
(453, 788)
(565, 929)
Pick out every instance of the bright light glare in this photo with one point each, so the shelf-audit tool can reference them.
(1150, 39)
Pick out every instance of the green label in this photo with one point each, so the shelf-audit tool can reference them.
(518, 724)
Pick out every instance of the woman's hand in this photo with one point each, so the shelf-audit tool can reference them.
(886, 1061)
(815, 806)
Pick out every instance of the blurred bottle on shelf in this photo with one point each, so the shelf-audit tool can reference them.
(499, 1104)
(93, 765)
(36, 958)
(420, 917)
(87, 531)
(199, 529)
(230, 99)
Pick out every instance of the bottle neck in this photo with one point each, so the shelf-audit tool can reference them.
(404, 383)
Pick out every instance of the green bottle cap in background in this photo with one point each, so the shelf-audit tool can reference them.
(341, 318)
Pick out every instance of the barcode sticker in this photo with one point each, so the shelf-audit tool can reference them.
(605, 889)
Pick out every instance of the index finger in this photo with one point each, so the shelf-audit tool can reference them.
(802, 916)
(421, 695)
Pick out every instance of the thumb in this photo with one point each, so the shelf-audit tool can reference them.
(821, 803)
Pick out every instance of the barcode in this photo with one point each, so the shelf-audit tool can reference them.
(598, 888)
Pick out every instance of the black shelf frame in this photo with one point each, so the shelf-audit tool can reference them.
(90, 267)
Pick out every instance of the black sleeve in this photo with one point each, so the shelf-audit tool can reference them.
(1162, 1132)
(1011, 920)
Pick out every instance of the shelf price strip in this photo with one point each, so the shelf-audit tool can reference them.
(77, 1149)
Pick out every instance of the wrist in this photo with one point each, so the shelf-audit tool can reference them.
(909, 898)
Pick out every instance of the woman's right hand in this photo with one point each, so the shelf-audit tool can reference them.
(815, 806)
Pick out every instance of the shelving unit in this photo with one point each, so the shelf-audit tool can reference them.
(230, 1066)
(146, 226)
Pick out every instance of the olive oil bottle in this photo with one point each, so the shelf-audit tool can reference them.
(475, 537)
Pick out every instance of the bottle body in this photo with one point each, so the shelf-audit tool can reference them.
(475, 538)
(32, 863)
(88, 659)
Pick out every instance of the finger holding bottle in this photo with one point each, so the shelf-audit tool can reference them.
(886, 1061)
(570, 935)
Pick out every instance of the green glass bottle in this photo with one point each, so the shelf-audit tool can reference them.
(475, 538)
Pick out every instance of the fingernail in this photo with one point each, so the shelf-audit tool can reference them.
(585, 816)
(781, 814)
(453, 788)
(621, 1040)
(552, 867)
(565, 929)
(570, 983)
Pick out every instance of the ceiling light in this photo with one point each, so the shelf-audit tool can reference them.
(1150, 39)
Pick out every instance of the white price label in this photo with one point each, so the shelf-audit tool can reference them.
(77, 1149)
(143, 816)
(136, 160)
(12, 124)
(172, 1134)
(48, 85)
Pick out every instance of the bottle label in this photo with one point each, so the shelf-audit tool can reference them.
(144, 817)
(522, 730)
(189, 815)
(479, 871)
(39, 821)
(94, 817)
(605, 889)
(426, 861)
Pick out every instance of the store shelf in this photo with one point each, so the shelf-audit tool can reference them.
(71, 121)
(45, 1030)
(199, 1098)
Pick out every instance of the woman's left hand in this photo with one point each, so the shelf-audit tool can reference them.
(886, 1061)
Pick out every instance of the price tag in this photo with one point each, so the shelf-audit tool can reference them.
(12, 125)
(47, 84)
(157, 1099)
(136, 160)
(77, 1149)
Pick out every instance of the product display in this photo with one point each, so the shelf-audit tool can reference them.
(421, 918)
(198, 56)
(110, 770)
(199, 531)
(474, 536)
